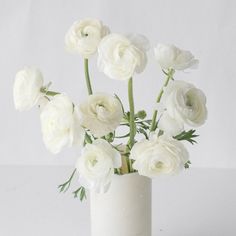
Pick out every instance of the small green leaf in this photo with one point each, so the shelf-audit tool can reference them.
(142, 124)
(87, 139)
(65, 186)
(110, 137)
(187, 135)
(142, 131)
(81, 193)
(127, 115)
(141, 114)
(187, 164)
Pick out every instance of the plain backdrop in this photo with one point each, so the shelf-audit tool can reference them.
(32, 33)
(199, 202)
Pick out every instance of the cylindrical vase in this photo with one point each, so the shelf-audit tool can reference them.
(125, 210)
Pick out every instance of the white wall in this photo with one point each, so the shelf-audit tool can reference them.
(32, 33)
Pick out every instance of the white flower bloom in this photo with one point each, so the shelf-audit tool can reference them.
(43, 101)
(171, 57)
(185, 103)
(101, 113)
(61, 124)
(159, 155)
(96, 165)
(84, 36)
(119, 56)
(169, 125)
(26, 91)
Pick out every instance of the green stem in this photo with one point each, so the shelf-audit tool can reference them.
(131, 106)
(87, 77)
(47, 92)
(131, 121)
(154, 117)
(72, 175)
(65, 186)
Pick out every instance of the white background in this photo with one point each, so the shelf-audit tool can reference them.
(199, 201)
(32, 33)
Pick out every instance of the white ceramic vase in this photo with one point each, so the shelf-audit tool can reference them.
(125, 210)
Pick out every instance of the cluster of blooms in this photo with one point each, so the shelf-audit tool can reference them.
(93, 122)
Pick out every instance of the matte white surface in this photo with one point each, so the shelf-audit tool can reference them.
(125, 209)
(32, 33)
(195, 203)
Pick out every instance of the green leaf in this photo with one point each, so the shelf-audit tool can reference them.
(143, 125)
(127, 116)
(160, 132)
(142, 131)
(141, 114)
(65, 186)
(187, 164)
(110, 137)
(187, 135)
(81, 193)
(87, 139)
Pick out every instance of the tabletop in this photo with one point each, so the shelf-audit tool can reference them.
(198, 202)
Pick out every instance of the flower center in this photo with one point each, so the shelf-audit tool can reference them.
(84, 34)
(99, 109)
(93, 162)
(188, 102)
(159, 165)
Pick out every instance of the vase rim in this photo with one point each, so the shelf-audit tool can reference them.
(130, 175)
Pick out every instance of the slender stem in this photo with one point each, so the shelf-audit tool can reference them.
(131, 106)
(87, 77)
(125, 168)
(48, 92)
(72, 175)
(65, 186)
(131, 121)
(154, 117)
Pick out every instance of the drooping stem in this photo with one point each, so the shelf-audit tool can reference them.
(154, 117)
(65, 186)
(131, 118)
(87, 77)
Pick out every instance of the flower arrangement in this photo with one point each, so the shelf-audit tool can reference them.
(92, 124)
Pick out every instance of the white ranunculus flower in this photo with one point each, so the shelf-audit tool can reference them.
(43, 101)
(60, 124)
(185, 103)
(158, 156)
(96, 165)
(84, 36)
(171, 57)
(101, 113)
(26, 90)
(119, 56)
(169, 125)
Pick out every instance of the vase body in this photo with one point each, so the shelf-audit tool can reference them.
(125, 210)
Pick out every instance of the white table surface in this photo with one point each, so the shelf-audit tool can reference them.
(199, 202)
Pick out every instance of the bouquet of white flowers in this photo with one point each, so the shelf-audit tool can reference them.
(92, 124)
